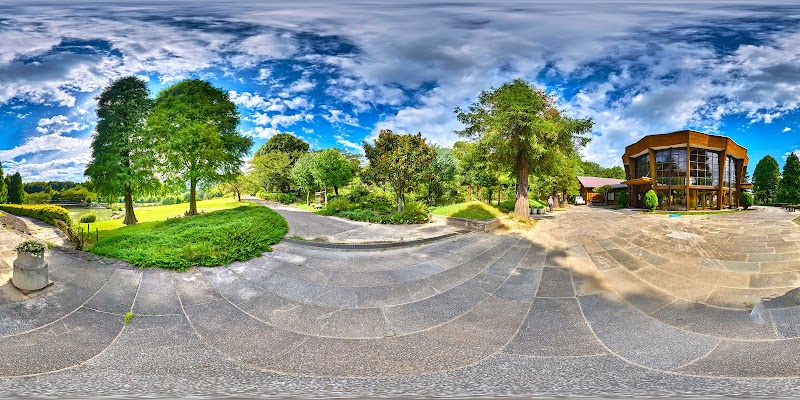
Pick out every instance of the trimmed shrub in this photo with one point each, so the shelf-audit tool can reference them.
(44, 213)
(88, 218)
(622, 199)
(650, 200)
(746, 200)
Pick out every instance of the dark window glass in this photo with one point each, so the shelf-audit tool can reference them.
(671, 167)
(642, 166)
(704, 168)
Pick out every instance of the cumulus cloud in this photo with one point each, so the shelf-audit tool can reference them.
(786, 129)
(634, 68)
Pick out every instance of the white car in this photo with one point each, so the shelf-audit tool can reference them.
(579, 201)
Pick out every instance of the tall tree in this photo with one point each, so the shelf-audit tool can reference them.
(401, 160)
(286, 143)
(3, 187)
(194, 129)
(272, 171)
(443, 169)
(474, 168)
(518, 125)
(766, 178)
(303, 174)
(122, 157)
(789, 188)
(331, 168)
(15, 192)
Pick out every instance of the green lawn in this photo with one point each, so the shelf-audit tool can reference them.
(212, 239)
(160, 213)
(476, 210)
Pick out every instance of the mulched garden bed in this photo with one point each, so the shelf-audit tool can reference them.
(13, 223)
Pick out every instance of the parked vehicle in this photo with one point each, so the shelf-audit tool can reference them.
(579, 201)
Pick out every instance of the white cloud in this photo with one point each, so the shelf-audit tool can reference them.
(59, 124)
(786, 129)
(335, 116)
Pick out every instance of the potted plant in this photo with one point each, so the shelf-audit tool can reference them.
(30, 269)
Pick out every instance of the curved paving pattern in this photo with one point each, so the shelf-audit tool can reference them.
(678, 302)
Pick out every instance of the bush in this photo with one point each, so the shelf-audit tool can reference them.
(212, 239)
(746, 200)
(168, 201)
(88, 218)
(622, 199)
(32, 246)
(285, 198)
(337, 205)
(44, 213)
(650, 200)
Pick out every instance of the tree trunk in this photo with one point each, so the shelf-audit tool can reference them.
(308, 197)
(498, 194)
(239, 195)
(193, 197)
(522, 208)
(130, 216)
(469, 193)
(400, 201)
(336, 190)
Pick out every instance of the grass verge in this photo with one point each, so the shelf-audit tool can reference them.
(476, 210)
(160, 213)
(212, 239)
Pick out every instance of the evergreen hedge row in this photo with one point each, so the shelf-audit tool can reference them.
(45, 213)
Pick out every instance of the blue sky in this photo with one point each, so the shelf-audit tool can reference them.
(336, 73)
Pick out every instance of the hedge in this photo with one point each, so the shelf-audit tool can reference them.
(285, 198)
(45, 213)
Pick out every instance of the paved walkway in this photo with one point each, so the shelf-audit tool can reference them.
(310, 226)
(596, 302)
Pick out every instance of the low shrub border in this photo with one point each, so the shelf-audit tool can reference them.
(45, 213)
(285, 198)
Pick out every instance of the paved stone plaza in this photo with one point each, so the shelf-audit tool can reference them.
(591, 302)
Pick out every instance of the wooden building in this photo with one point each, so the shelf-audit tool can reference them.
(687, 169)
(589, 183)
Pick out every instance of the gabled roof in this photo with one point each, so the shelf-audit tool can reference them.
(593, 182)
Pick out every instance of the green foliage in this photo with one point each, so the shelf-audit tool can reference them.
(292, 145)
(337, 205)
(303, 175)
(766, 178)
(76, 194)
(285, 198)
(88, 217)
(401, 160)
(44, 213)
(128, 317)
(623, 200)
(508, 205)
(591, 168)
(746, 200)
(413, 213)
(650, 200)
(442, 171)
(122, 153)
(3, 187)
(789, 187)
(271, 171)
(212, 239)
(519, 126)
(37, 198)
(331, 168)
(193, 128)
(15, 192)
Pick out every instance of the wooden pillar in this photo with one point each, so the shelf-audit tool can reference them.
(723, 155)
(652, 156)
(688, 172)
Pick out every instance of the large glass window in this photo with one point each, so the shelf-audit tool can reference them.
(671, 167)
(729, 177)
(704, 168)
(641, 166)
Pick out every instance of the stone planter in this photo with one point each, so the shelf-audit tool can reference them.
(30, 272)
(542, 210)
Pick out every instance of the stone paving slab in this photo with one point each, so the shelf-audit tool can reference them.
(640, 338)
(555, 328)
(750, 359)
(157, 294)
(64, 343)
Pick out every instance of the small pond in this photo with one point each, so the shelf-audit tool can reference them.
(76, 212)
